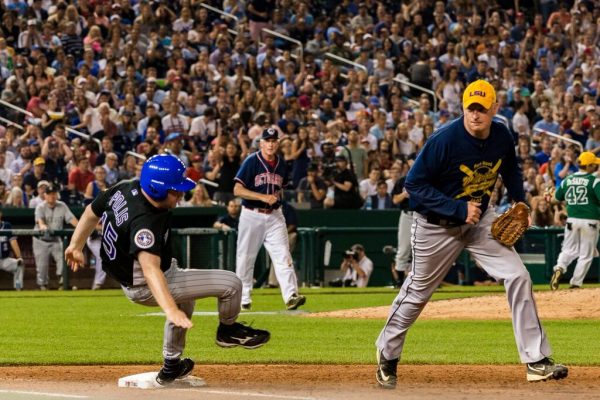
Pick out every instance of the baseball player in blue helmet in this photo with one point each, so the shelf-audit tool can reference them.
(450, 185)
(136, 251)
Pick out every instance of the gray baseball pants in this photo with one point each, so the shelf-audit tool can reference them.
(187, 285)
(404, 252)
(11, 265)
(42, 251)
(434, 250)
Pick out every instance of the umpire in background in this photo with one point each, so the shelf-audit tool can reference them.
(50, 215)
(449, 188)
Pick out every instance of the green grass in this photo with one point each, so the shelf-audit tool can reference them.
(85, 327)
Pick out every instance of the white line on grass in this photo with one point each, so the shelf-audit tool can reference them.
(251, 394)
(214, 313)
(71, 396)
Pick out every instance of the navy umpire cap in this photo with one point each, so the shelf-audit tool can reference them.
(269, 133)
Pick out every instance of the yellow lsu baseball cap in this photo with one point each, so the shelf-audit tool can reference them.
(587, 158)
(479, 92)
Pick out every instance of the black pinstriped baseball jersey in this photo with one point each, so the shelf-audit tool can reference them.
(131, 224)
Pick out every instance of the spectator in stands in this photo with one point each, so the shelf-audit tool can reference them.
(5, 173)
(96, 186)
(80, 176)
(195, 171)
(50, 215)
(37, 174)
(200, 198)
(111, 168)
(16, 197)
(312, 188)
(41, 194)
(368, 187)
(382, 199)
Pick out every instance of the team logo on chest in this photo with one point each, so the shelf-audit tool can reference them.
(480, 180)
(144, 238)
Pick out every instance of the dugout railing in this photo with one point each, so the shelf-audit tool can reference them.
(319, 252)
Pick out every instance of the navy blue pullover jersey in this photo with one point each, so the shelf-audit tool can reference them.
(257, 175)
(454, 167)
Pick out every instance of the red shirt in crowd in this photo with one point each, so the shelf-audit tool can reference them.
(80, 179)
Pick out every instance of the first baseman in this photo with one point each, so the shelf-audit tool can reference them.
(581, 191)
(259, 183)
(449, 186)
(136, 251)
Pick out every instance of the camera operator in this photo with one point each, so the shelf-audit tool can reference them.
(356, 267)
(343, 187)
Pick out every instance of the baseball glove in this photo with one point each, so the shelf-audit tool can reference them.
(511, 225)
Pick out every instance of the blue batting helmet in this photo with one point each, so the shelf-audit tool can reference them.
(164, 172)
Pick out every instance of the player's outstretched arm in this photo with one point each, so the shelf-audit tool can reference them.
(160, 290)
(74, 253)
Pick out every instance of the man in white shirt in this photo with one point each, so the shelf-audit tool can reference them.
(175, 122)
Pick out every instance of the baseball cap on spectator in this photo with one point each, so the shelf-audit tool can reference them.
(32, 22)
(43, 183)
(341, 158)
(313, 167)
(269, 133)
(367, 36)
(116, 6)
(151, 79)
(444, 113)
(39, 161)
(80, 81)
(577, 83)
(52, 188)
(279, 58)
(197, 158)
(374, 100)
(590, 108)
(115, 17)
(52, 143)
(174, 136)
(520, 14)
(479, 92)
(587, 158)
(33, 142)
(525, 92)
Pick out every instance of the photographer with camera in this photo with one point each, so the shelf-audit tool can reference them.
(356, 268)
(343, 187)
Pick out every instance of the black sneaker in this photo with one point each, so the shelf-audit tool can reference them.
(574, 287)
(241, 335)
(184, 368)
(555, 280)
(386, 371)
(544, 369)
(295, 301)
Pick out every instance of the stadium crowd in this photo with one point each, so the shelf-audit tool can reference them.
(144, 77)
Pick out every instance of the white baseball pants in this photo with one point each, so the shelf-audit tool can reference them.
(254, 230)
(581, 238)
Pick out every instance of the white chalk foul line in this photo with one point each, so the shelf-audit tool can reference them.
(251, 394)
(70, 396)
(214, 313)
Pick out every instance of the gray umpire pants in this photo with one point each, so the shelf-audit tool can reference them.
(11, 265)
(187, 285)
(435, 248)
(42, 251)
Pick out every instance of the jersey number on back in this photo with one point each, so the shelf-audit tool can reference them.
(108, 241)
(576, 195)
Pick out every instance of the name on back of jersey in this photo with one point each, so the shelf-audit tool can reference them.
(119, 206)
(268, 178)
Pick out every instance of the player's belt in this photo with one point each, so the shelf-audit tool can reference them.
(443, 222)
(261, 210)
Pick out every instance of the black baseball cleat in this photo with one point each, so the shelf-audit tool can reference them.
(555, 280)
(247, 306)
(386, 371)
(183, 369)
(295, 301)
(241, 335)
(545, 369)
